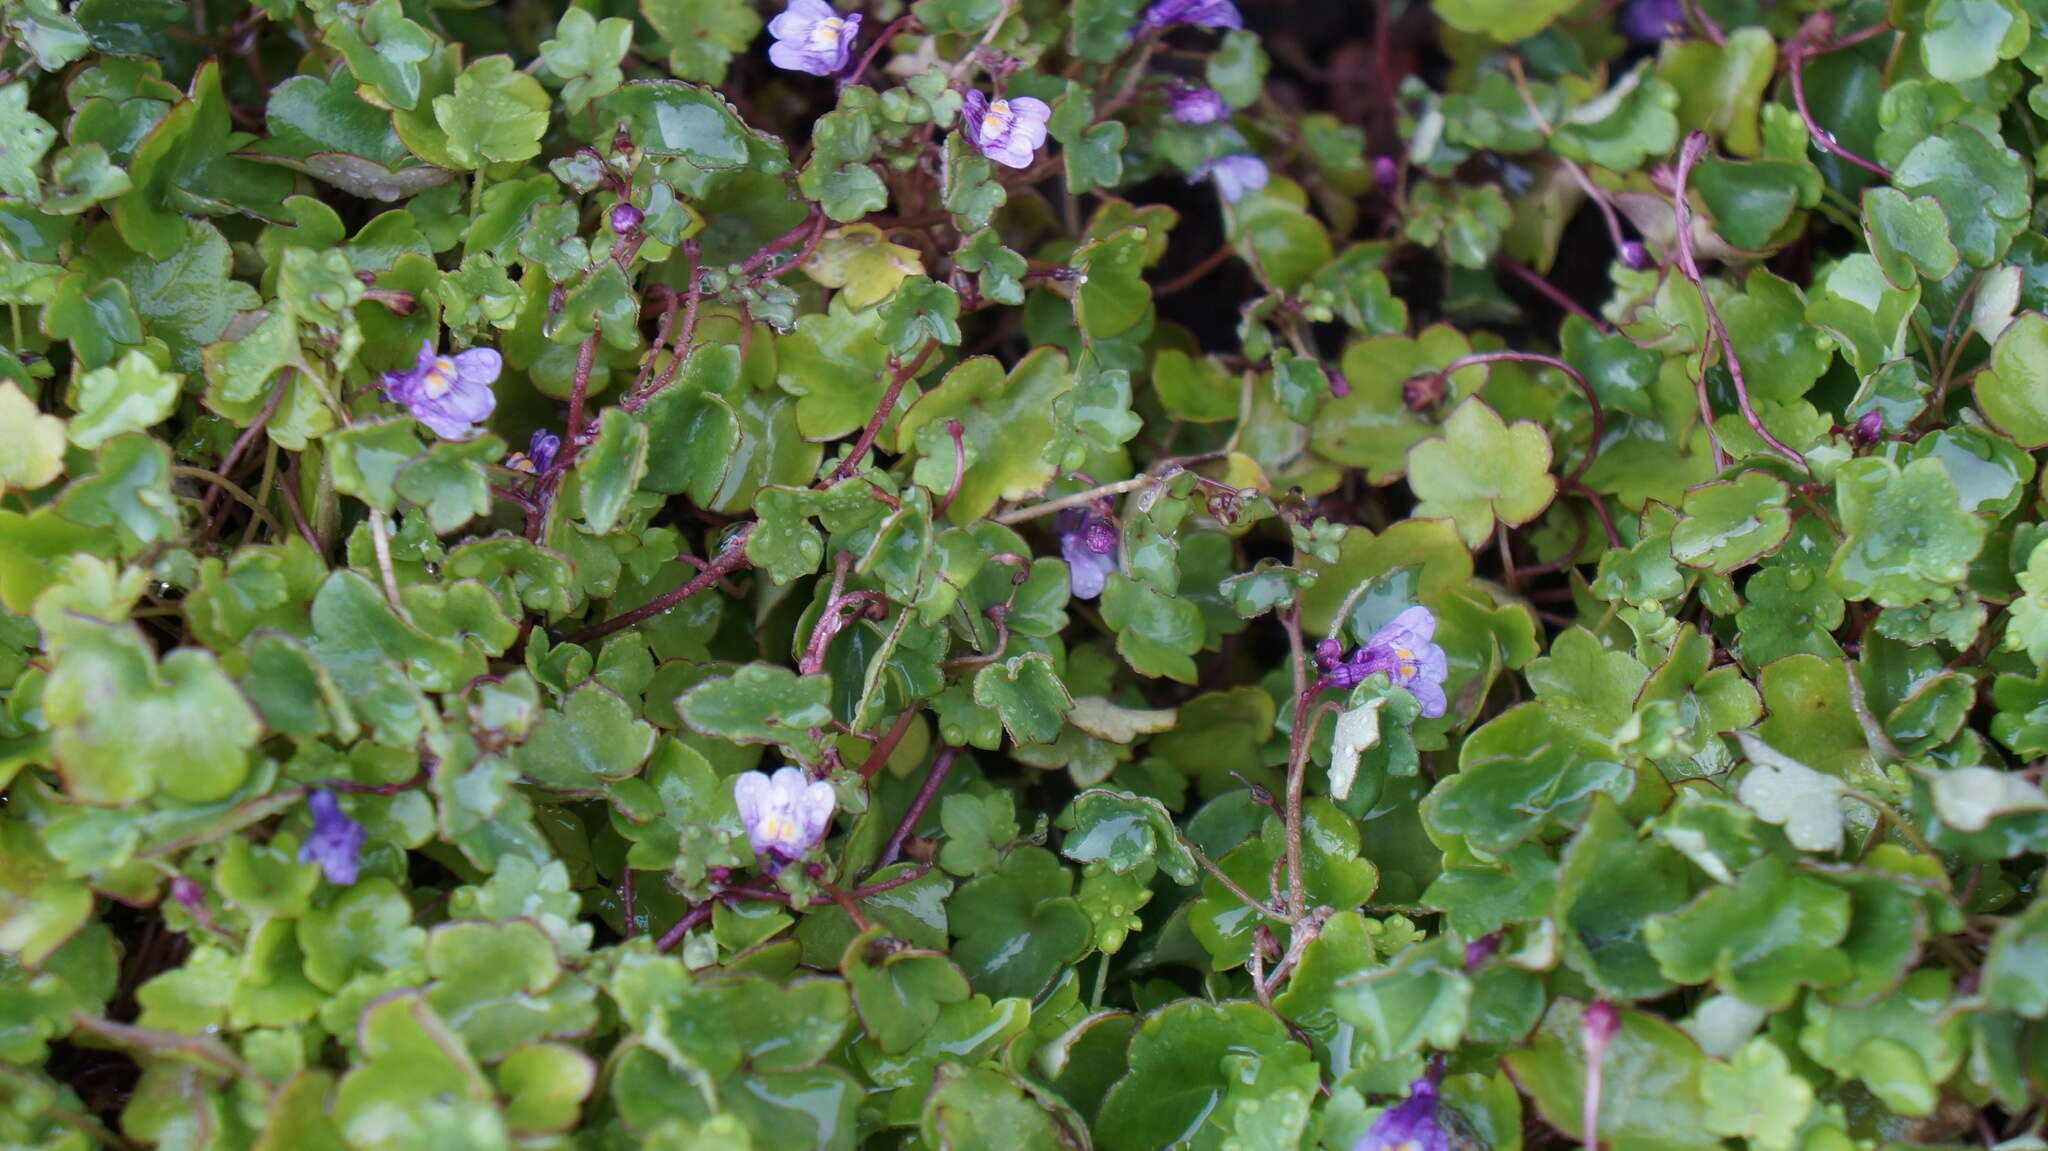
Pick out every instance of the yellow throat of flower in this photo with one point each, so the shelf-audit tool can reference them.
(826, 33)
(997, 119)
(440, 377)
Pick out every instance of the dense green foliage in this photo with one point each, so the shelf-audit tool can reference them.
(1065, 493)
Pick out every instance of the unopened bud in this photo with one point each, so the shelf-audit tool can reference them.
(1480, 950)
(1329, 653)
(625, 218)
(1635, 255)
(1868, 430)
(1421, 393)
(1385, 171)
(1339, 386)
(1597, 1027)
(189, 894)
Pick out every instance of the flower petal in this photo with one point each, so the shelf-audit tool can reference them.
(479, 366)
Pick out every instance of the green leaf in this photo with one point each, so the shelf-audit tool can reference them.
(702, 35)
(595, 739)
(1982, 186)
(496, 114)
(1008, 418)
(1124, 833)
(1909, 238)
(1624, 126)
(1419, 998)
(449, 481)
(1482, 470)
(1602, 921)
(1187, 1062)
(1756, 1096)
(2012, 390)
(128, 491)
(125, 725)
(1964, 39)
(585, 55)
(1783, 791)
(1762, 939)
(2016, 967)
(24, 137)
(366, 460)
(1504, 22)
(1724, 526)
(899, 989)
(609, 471)
(1652, 1080)
(1027, 693)
(760, 703)
(31, 442)
(1017, 928)
(1907, 539)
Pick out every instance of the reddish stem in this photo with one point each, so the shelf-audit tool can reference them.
(933, 780)
(881, 752)
(1552, 292)
(691, 918)
(1796, 54)
(732, 559)
(1695, 147)
(902, 375)
(1592, 400)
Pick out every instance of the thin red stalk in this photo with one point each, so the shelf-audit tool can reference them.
(1196, 274)
(806, 232)
(897, 379)
(933, 780)
(586, 357)
(1592, 400)
(248, 437)
(1695, 147)
(958, 434)
(881, 752)
(889, 33)
(679, 348)
(1823, 139)
(732, 559)
(691, 918)
(1552, 292)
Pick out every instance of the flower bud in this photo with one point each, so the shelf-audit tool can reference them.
(625, 219)
(1597, 1027)
(1635, 256)
(1421, 393)
(1385, 172)
(1868, 430)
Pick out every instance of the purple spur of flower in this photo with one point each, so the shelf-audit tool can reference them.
(1233, 175)
(1010, 131)
(1194, 104)
(539, 455)
(1329, 654)
(624, 218)
(1635, 255)
(811, 37)
(1200, 13)
(785, 814)
(1410, 1125)
(1647, 22)
(1088, 543)
(336, 841)
(449, 394)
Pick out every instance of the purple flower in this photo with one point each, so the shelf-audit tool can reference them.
(785, 814)
(1635, 255)
(1385, 172)
(811, 37)
(450, 394)
(1646, 22)
(1088, 541)
(336, 843)
(1201, 13)
(625, 218)
(1404, 650)
(1006, 131)
(1192, 104)
(539, 455)
(1234, 175)
(1412, 1125)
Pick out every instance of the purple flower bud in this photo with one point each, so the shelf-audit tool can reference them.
(539, 455)
(1010, 132)
(1597, 1027)
(1192, 104)
(1339, 386)
(1088, 544)
(811, 37)
(1200, 13)
(1868, 430)
(336, 842)
(1233, 175)
(189, 895)
(1480, 950)
(625, 218)
(1386, 172)
(1635, 255)
(785, 814)
(449, 394)
(1421, 393)
(1647, 22)
(1411, 1126)
(1329, 654)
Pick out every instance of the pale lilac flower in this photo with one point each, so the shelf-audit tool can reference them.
(811, 37)
(1411, 1125)
(1233, 175)
(1646, 22)
(449, 394)
(624, 218)
(1009, 132)
(1088, 542)
(785, 814)
(1201, 13)
(336, 841)
(1193, 104)
(1404, 650)
(539, 455)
